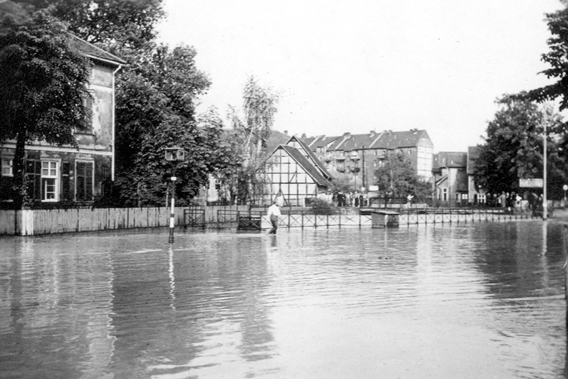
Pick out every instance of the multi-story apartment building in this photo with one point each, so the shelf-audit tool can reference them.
(359, 155)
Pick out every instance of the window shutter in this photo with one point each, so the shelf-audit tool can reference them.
(80, 180)
(89, 181)
(66, 182)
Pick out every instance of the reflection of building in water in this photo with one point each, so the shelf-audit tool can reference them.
(448, 282)
(58, 297)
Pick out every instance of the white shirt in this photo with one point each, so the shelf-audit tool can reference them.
(273, 210)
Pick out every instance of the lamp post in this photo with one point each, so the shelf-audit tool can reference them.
(544, 194)
(174, 155)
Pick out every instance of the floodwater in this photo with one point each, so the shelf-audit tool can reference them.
(482, 300)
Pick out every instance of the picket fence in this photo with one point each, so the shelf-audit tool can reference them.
(49, 221)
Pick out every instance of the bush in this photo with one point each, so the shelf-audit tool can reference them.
(322, 207)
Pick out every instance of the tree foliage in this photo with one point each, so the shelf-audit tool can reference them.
(252, 131)
(398, 176)
(42, 89)
(513, 147)
(127, 24)
(155, 99)
(557, 58)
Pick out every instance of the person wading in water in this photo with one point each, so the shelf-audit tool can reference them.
(273, 214)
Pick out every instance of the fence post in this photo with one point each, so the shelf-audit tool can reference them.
(315, 220)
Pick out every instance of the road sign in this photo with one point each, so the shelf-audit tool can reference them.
(531, 183)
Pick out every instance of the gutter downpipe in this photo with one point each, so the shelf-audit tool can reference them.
(113, 169)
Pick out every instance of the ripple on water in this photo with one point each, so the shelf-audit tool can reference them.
(453, 301)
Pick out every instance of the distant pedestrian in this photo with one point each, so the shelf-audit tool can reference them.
(409, 199)
(273, 214)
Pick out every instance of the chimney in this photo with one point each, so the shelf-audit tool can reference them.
(372, 134)
(286, 132)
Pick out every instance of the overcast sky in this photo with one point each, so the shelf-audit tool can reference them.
(363, 65)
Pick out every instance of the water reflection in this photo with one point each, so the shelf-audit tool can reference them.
(468, 301)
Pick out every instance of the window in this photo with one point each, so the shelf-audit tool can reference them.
(445, 194)
(7, 167)
(33, 179)
(84, 181)
(49, 171)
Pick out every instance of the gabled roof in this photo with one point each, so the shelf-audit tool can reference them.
(12, 14)
(356, 142)
(312, 171)
(449, 159)
(472, 155)
(311, 155)
(275, 139)
(373, 140)
(94, 52)
(319, 141)
(398, 140)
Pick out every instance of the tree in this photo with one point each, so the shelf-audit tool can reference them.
(206, 153)
(117, 24)
(514, 145)
(398, 176)
(252, 131)
(557, 58)
(341, 182)
(155, 98)
(42, 90)
(159, 84)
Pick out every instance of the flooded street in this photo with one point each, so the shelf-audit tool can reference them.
(482, 300)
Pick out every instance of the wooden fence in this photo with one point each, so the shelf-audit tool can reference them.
(50, 221)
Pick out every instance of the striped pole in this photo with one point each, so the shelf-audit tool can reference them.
(172, 211)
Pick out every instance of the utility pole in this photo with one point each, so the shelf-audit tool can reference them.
(544, 174)
(363, 167)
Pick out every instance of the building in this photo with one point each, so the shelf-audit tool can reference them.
(360, 155)
(477, 197)
(292, 171)
(451, 181)
(56, 174)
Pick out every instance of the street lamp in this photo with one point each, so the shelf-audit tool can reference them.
(544, 192)
(174, 155)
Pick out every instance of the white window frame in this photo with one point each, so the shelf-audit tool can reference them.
(9, 166)
(52, 174)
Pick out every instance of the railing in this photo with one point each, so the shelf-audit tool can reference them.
(463, 215)
(194, 216)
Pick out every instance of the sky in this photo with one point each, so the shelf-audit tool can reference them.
(360, 65)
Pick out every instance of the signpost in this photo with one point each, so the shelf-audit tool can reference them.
(531, 183)
(174, 155)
